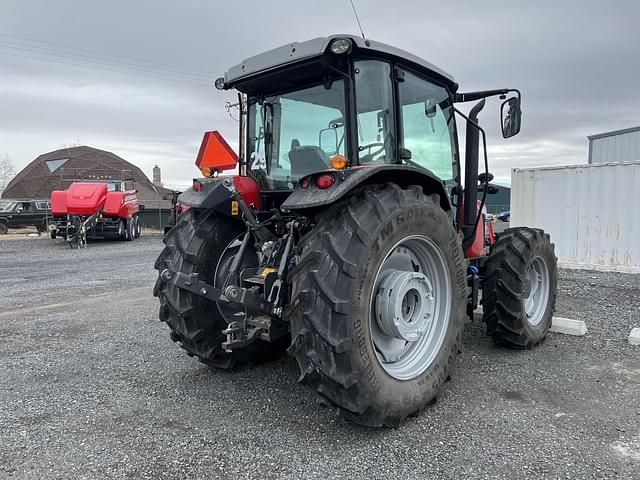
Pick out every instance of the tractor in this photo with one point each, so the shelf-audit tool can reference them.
(352, 234)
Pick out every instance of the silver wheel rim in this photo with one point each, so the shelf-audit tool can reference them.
(410, 307)
(536, 291)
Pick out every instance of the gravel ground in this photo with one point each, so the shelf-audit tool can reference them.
(92, 387)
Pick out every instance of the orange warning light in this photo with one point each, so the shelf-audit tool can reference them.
(338, 162)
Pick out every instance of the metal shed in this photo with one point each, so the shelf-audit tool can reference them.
(615, 146)
(589, 210)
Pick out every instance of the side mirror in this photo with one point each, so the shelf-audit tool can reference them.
(430, 107)
(328, 141)
(405, 154)
(511, 117)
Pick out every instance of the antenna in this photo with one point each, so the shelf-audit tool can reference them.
(357, 19)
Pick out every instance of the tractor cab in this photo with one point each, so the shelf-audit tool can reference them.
(331, 104)
(314, 111)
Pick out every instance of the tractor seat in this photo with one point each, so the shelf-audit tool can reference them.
(307, 159)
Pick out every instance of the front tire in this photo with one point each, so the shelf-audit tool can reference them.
(520, 287)
(344, 344)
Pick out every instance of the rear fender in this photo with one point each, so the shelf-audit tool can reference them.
(355, 177)
(214, 195)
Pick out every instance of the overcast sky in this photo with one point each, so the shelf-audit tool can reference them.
(576, 62)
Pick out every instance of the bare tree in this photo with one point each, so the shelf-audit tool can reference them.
(7, 171)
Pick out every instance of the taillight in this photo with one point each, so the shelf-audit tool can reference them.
(324, 181)
(197, 185)
(304, 183)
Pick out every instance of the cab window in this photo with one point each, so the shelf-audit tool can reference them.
(374, 101)
(295, 133)
(427, 125)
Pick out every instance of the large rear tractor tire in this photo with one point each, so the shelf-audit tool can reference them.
(204, 243)
(378, 304)
(520, 288)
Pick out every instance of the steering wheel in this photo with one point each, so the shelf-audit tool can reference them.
(369, 156)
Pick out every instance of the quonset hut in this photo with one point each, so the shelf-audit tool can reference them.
(56, 170)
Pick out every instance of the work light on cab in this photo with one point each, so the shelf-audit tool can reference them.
(341, 46)
(215, 155)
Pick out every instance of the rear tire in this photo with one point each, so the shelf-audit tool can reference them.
(3, 228)
(122, 230)
(520, 288)
(131, 229)
(138, 228)
(196, 244)
(336, 339)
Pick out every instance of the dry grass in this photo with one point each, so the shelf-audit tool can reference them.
(22, 233)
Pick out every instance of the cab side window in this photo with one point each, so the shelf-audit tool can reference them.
(427, 125)
(374, 101)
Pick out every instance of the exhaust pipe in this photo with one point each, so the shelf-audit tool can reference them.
(471, 176)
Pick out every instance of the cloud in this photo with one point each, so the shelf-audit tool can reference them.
(575, 62)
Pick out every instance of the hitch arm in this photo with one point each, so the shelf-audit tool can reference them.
(233, 293)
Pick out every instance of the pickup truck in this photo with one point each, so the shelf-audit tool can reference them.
(25, 213)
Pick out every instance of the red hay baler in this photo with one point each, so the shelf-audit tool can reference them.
(95, 209)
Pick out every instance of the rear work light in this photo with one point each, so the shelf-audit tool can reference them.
(340, 46)
(197, 185)
(324, 181)
(304, 183)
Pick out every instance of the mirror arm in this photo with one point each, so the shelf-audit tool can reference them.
(473, 96)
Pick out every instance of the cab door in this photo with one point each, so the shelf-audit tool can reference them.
(427, 125)
(28, 216)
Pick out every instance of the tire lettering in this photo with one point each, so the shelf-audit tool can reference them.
(364, 354)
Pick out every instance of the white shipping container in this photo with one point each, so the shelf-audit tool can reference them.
(592, 212)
